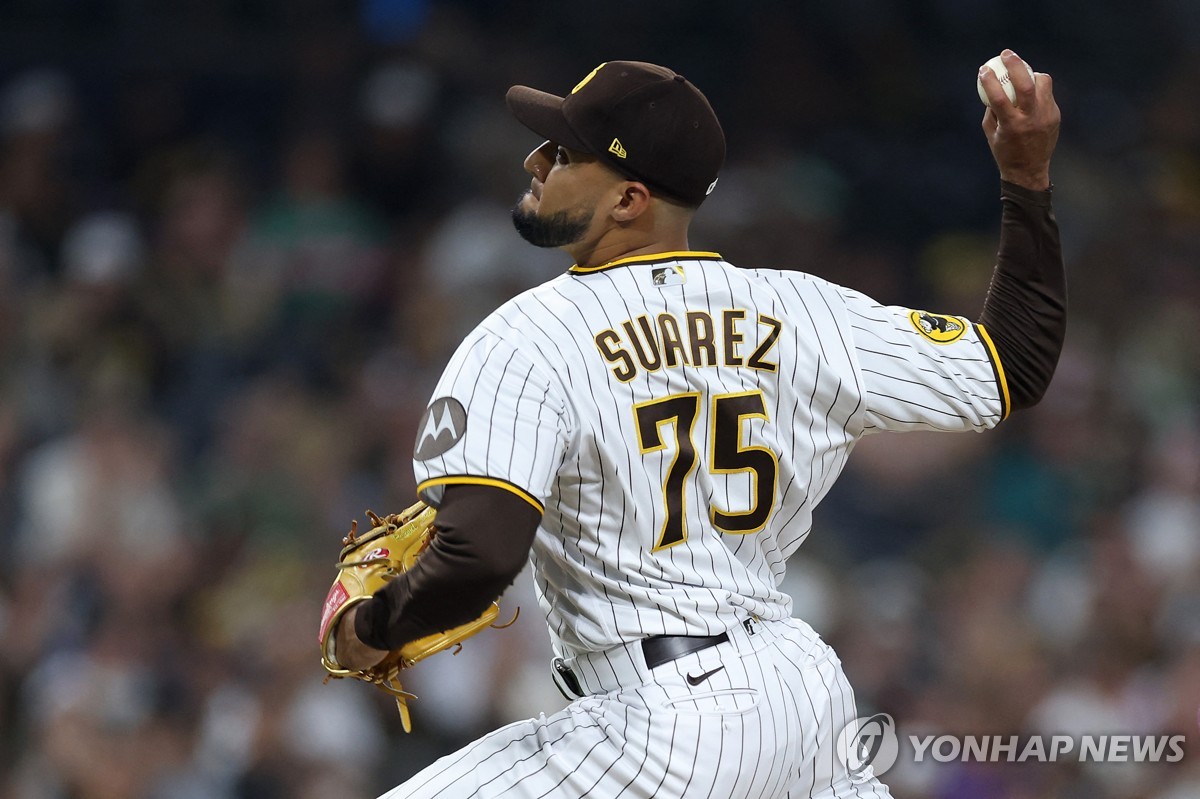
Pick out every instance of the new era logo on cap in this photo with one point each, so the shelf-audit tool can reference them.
(642, 120)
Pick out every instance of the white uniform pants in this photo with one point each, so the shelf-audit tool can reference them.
(762, 723)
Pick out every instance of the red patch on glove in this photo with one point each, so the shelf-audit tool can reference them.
(335, 599)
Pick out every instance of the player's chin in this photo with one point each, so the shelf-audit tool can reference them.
(527, 203)
(525, 210)
(525, 220)
(557, 230)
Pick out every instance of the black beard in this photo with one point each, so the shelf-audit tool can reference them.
(559, 230)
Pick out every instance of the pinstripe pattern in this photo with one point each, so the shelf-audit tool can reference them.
(764, 725)
(639, 413)
(547, 415)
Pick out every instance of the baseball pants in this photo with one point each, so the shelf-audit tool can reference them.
(757, 716)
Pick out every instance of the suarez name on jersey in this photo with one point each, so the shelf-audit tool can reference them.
(698, 339)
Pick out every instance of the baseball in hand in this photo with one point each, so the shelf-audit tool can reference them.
(997, 66)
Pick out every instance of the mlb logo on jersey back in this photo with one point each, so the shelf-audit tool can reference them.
(668, 276)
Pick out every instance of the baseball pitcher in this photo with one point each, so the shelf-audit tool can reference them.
(652, 430)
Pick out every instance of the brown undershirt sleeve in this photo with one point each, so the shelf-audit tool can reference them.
(1025, 312)
(483, 541)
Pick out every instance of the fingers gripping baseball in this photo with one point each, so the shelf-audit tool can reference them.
(1021, 134)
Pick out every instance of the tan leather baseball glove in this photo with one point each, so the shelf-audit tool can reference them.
(367, 563)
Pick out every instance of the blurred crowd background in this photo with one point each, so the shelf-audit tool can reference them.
(239, 239)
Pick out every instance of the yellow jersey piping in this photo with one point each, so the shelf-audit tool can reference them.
(467, 479)
(650, 258)
(998, 368)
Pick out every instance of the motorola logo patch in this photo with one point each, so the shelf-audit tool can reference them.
(442, 426)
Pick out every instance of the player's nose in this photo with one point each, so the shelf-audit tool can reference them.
(538, 162)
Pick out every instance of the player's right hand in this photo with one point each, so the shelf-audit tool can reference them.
(1022, 136)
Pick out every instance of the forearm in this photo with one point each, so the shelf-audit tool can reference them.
(1025, 309)
(483, 540)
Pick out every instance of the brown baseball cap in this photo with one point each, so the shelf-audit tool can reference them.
(643, 120)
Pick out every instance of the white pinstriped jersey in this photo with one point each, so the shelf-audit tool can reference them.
(677, 419)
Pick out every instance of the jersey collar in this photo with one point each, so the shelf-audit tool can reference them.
(650, 258)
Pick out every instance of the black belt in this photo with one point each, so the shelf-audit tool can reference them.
(662, 649)
(657, 650)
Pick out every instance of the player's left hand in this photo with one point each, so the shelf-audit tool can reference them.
(1022, 135)
(369, 563)
(352, 653)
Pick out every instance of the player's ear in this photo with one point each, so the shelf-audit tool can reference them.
(632, 202)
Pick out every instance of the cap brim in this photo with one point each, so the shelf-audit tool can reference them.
(542, 113)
